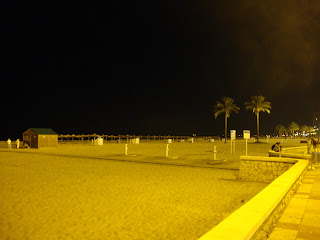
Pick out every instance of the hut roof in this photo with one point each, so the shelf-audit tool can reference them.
(45, 131)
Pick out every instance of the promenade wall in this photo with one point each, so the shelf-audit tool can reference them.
(285, 154)
(257, 218)
(263, 169)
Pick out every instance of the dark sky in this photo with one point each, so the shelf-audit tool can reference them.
(157, 67)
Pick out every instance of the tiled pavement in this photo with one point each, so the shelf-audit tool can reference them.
(301, 219)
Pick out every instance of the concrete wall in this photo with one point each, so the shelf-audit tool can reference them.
(257, 218)
(289, 155)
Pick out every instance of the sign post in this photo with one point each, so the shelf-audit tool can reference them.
(246, 136)
(233, 143)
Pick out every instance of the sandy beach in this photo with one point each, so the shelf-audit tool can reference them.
(62, 193)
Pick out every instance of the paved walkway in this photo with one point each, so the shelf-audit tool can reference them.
(188, 162)
(301, 219)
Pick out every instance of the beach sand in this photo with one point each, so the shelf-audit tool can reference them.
(73, 196)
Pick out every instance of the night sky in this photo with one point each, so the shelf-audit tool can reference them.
(157, 67)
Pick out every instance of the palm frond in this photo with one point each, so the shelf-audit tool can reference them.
(225, 106)
(217, 113)
(258, 104)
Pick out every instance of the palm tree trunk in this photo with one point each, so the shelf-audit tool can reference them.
(258, 127)
(225, 128)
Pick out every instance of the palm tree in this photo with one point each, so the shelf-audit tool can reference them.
(310, 129)
(280, 129)
(225, 106)
(303, 129)
(293, 127)
(258, 104)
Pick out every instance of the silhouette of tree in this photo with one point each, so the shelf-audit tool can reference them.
(280, 129)
(225, 106)
(257, 105)
(293, 127)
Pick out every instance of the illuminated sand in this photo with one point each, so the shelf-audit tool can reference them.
(55, 197)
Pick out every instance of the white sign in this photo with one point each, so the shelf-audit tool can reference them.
(233, 134)
(246, 134)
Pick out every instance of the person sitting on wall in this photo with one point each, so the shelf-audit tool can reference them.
(280, 147)
(276, 147)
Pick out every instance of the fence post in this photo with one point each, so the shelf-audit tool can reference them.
(167, 150)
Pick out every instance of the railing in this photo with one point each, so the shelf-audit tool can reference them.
(76, 137)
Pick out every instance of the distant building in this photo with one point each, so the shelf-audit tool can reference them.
(40, 137)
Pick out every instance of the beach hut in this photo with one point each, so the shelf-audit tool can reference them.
(40, 137)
